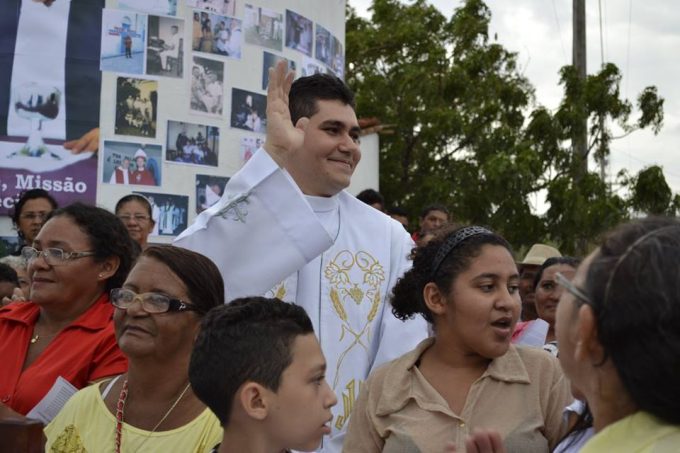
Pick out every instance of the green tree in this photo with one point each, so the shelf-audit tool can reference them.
(651, 193)
(462, 128)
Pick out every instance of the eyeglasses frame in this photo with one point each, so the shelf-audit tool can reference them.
(572, 289)
(137, 219)
(66, 256)
(174, 305)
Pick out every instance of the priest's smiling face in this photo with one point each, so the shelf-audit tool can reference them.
(330, 152)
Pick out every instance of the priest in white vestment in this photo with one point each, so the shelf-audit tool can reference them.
(286, 228)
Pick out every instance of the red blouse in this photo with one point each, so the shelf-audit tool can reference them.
(82, 352)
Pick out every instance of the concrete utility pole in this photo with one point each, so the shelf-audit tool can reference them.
(579, 139)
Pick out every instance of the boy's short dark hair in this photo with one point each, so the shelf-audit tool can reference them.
(305, 91)
(250, 339)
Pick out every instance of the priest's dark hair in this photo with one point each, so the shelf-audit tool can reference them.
(306, 91)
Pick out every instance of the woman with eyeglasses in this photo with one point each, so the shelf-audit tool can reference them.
(65, 330)
(468, 375)
(151, 407)
(547, 293)
(29, 215)
(618, 330)
(135, 212)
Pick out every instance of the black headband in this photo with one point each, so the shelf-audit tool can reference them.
(454, 241)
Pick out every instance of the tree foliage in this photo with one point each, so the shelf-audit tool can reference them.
(465, 130)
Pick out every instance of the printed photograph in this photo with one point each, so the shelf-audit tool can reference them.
(269, 60)
(207, 86)
(248, 110)
(338, 60)
(311, 66)
(299, 33)
(9, 244)
(216, 34)
(123, 41)
(132, 163)
(164, 7)
(209, 190)
(324, 43)
(189, 143)
(249, 145)
(170, 212)
(263, 27)
(165, 47)
(136, 107)
(223, 7)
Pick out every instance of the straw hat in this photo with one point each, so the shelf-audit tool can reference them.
(538, 253)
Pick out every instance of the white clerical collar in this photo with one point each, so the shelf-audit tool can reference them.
(322, 204)
(327, 210)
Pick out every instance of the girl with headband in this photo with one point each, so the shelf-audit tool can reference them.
(467, 376)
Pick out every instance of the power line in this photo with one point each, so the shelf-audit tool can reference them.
(559, 30)
(599, 6)
(630, 21)
(627, 76)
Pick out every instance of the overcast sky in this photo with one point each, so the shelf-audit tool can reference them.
(645, 48)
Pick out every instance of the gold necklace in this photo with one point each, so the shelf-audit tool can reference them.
(120, 411)
(34, 339)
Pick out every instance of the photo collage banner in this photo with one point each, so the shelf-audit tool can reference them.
(183, 96)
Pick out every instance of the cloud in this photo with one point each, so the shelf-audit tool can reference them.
(644, 49)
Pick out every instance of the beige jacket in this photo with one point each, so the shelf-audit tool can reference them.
(521, 395)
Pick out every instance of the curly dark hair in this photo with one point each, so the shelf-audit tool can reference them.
(407, 294)
(107, 235)
(634, 286)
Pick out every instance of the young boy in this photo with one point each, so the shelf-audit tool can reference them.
(258, 366)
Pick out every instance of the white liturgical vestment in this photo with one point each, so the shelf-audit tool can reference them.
(336, 257)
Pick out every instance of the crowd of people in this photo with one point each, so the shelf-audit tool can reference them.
(294, 316)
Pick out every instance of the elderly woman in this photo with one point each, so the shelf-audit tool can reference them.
(617, 327)
(468, 376)
(151, 407)
(30, 213)
(135, 212)
(80, 253)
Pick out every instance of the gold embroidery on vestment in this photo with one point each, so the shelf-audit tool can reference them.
(278, 291)
(344, 289)
(347, 404)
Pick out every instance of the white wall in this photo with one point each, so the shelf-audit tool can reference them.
(173, 104)
(366, 174)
